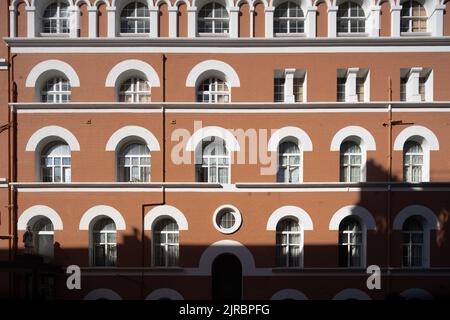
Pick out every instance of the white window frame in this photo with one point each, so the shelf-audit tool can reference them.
(288, 166)
(410, 244)
(410, 17)
(363, 244)
(408, 178)
(349, 166)
(38, 233)
(349, 19)
(214, 20)
(166, 244)
(289, 245)
(58, 20)
(135, 19)
(57, 94)
(63, 168)
(213, 81)
(134, 92)
(105, 244)
(129, 167)
(223, 210)
(288, 19)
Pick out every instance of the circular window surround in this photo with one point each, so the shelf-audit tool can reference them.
(236, 214)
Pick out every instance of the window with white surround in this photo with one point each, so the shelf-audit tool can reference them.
(135, 18)
(289, 162)
(413, 158)
(56, 163)
(416, 84)
(215, 162)
(351, 19)
(289, 244)
(56, 19)
(353, 85)
(213, 90)
(213, 18)
(413, 243)
(351, 245)
(43, 234)
(134, 163)
(104, 243)
(227, 219)
(134, 90)
(166, 238)
(290, 85)
(56, 90)
(413, 18)
(288, 19)
(351, 162)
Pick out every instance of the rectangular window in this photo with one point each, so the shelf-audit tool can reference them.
(403, 89)
(422, 82)
(278, 90)
(360, 89)
(340, 89)
(298, 89)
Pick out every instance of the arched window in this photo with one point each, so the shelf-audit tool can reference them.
(104, 252)
(134, 90)
(289, 162)
(134, 163)
(213, 18)
(135, 18)
(289, 243)
(351, 162)
(56, 90)
(413, 243)
(215, 162)
(43, 237)
(350, 18)
(413, 17)
(166, 243)
(350, 243)
(56, 18)
(56, 163)
(288, 19)
(412, 162)
(213, 90)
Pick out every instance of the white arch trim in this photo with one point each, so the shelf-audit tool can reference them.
(164, 293)
(416, 293)
(213, 131)
(352, 294)
(102, 210)
(231, 75)
(102, 293)
(290, 211)
(367, 140)
(165, 211)
(99, 2)
(39, 210)
(289, 294)
(227, 246)
(14, 3)
(302, 137)
(49, 65)
(132, 131)
(129, 65)
(52, 131)
(416, 210)
(431, 142)
(353, 210)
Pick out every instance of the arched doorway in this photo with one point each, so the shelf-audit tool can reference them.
(226, 277)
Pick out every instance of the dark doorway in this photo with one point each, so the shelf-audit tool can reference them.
(226, 278)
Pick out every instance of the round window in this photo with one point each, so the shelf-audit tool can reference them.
(227, 219)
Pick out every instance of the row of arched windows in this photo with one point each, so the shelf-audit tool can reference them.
(134, 162)
(214, 18)
(288, 243)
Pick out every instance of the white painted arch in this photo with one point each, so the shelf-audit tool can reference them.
(227, 246)
(430, 141)
(231, 142)
(128, 132)
(416, 210)
(213, 66)
(352, 294)
(39, 211)
(52, 65)
(367, 142)
(289, 294)
(297, 213)
(164, 293)
(102, 293)
(301, 138)
(165, 211)
(416, 293)
(362, 213)
(50, 132)
(102, 210)
(131, 67)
